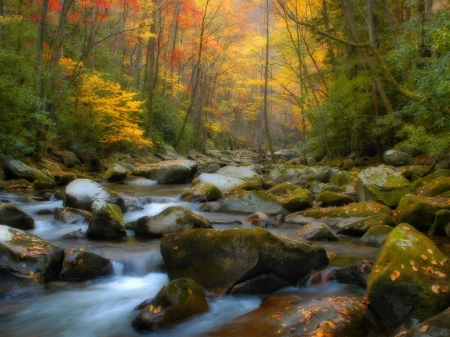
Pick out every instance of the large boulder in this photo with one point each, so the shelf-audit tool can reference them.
(168, 172)
(116, 174)
(435, 187)
(107, 222)
(69, 159)
(239, 172)
(330, 198)
(27, 256)
(376, 235)
(315, 231)
(250, 202)
(218, 260)
(178, 300)
(222, 182)
(15, 169)
(202, 192)
(410, 278)
(397, 158)
(383, 185)
(171, 220)
(81, 193)
(292, 197)
(300, 175)
(289, 315)
(360, 227)
(419, 211)
(80, 265)
(11, 216)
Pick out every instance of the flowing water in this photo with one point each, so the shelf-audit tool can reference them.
(105, 307)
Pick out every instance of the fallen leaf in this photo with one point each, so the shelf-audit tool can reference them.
(80, 261)
(31, 273)
(430, 251)
(331, 324)
(395, 275)
(190, 292)
(424, 328)
(23, 254)
(435, 289)
(70, 251)
(406, 228)
(411, 263)
(423, 257)
(403, 266)
(150, 308)
(175, 248)
(433, 261)
(157, 310)
(414, 268)
(442, 275)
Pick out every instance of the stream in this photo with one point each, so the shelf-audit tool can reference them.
(104, 307)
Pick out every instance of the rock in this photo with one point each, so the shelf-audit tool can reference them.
(222, 182)
(211, 168)
(65, 179)
(315, 231)
(436, 326)
(300, 175)
(44, 212)
(132, 203)
(107, 222)
(292, 197)
(69, 159)
(202, 192)
(355, 274)
(261, 284)
(430, 177)
(75, 235)
(15, 169)
(11, 216)
(81, 193)
(72, 216)
(217, 260)
(441, 221)
(343, 178)
(442, 164)
(397, 158)
(214, 153)
(171, 220)
(414, 172)
(80, 265)
(435, 187)
(257, 216)
(241, 172)
(360, 227)
(116, 174)
(167, 152)
(289, 315)
(409, 280)
(376, 235)
(419, 211)
(250, 202)
(383, 185)
(26, 256)
(168, 172)
(360, 209)
(176, 301)
(329, 198)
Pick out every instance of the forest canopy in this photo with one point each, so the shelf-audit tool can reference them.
(327, 77)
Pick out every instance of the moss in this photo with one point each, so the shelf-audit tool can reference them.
(297, 200)
(202, 192)
(435, 187)
(360, 209)
(430, 177)
(359, 228)
(415, 262)
(329, 198)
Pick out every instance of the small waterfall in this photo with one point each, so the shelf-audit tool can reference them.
(137, 264)
(320, 278)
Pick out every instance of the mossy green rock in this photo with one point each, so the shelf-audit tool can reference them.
(171, 220)
(315, 231)
(410, 278)
(106, 223)
(282, 189)
(25, 255)
(178, 300)
(360, 227)
(251, 202)
(222, 182)
(329, 198)
(15, 169)
(357, 209)
(12, 216)
(217, 260)
(292, 197)
(287, 315)
(383, 185)
(430, 177)
(419, 211)
(299, 174)
(435, 187)
(414, 172)
(343, 178)
(376, 235)
(116, 173)
(202, 192)
(80, 265)
(441, 221)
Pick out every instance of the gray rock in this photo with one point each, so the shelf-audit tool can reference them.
(116, 174)
(69, 159)
(376, 235)
(80, 265)
(202, 192)
(72, 216)
(168, 172)
(251, 202)
(11, 216)
(315, 231)
(15, 169)
(107, 222)
(355, 274)
(397, 158)
(222, 182)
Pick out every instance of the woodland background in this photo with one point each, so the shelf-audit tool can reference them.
(328, 77)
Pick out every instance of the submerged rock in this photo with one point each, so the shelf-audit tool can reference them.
(11, 216)
(172, 219)
(217, 260)
(410, 278)
(176, 301)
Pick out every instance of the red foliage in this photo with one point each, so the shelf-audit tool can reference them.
(189, 15)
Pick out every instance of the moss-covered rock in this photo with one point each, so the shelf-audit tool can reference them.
(80, 265)
(168, 172)
(441, 221)
(250, 202)
(106, 223)
(173, 219)
(359, 209)
(26, 256)
(178, 300)
(383, 185)
(12, 216)
(289, 315)
(414, 172)
(344, 178)
(419, 211)
(116, 174)
(435, 187)
(202, 192)
(430, 177)
(222, 182)
(71, 215)
(355, 274)
(410, 278)
(292, 197)
(299, 174)
(314, 231)
(329, 198)
(360, 227)
(376, 235)
(218, 259)
(15, 169)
